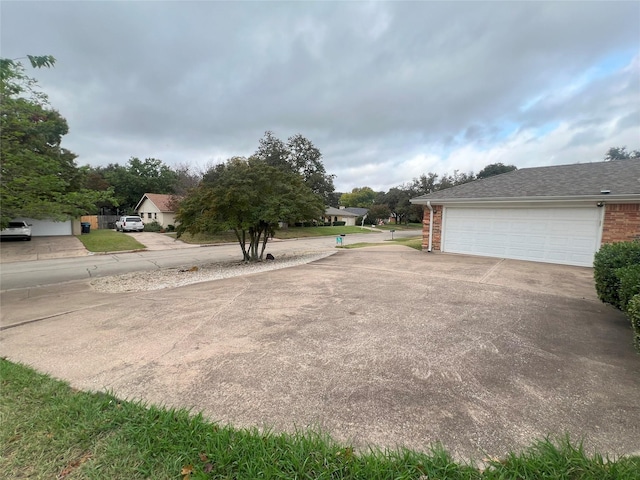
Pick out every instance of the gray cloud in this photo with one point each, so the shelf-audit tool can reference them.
(386, 90)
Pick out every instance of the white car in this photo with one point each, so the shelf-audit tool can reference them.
(17, 229)
(130, 223)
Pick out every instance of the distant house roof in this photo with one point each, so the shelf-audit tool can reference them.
(586, 181)
(357, 210)
(160, 200)
(334, 212)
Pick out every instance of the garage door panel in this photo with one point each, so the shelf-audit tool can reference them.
(558, 235)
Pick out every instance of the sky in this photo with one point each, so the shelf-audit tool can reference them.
(387, 91)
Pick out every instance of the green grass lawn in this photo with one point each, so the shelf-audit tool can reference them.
(413, 242)
(109, 241)
(51, 431)
(291, 232)
(402, 226)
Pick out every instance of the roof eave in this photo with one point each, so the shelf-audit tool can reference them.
(626, 198)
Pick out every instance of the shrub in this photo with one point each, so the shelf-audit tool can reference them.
(152, 227)
(339, 224)
(633, 311)
(610, 258)
(171, 228)
(629, 278)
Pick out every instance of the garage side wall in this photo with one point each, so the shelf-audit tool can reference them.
(437, 228)
(621, 223)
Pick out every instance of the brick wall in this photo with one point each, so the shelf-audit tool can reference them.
(437, 228)
(621, 222)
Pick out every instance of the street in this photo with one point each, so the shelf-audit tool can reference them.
(47, 272)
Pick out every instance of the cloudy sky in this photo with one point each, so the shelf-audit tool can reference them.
(386, 90)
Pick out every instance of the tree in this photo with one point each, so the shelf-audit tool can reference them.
(397, 200)
(495, 169)
(136, 178)
(378, 212)
(298, 155)
(248, 197)
(359, 197)
(620, 153)
(38, 177)
(458, 178)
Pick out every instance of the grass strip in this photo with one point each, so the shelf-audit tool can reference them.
(109, 241)
(49, 430)
(413, 242)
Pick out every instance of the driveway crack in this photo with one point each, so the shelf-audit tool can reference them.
(491, 270)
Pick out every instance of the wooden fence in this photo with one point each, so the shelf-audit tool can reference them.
(105, 222)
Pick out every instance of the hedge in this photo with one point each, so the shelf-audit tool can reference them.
(608, 260)
(629, 279)
(633, 311)
(152, 227)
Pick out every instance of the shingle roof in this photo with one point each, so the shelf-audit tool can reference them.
(621, 177)
(338, 211)
(159, 200)
(357, 210)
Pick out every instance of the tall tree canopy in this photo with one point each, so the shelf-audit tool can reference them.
(620, 153)
(495, 169)
(249, 197)
(298, 155)
(38, 177)
(134, 179)
(362, 197)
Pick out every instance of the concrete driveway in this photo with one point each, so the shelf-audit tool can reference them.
(41, 248)
(380, 346)
(68, 246)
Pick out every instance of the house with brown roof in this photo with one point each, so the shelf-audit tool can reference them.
(157, 207)
(558, 214)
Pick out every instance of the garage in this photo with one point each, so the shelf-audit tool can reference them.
(556, 214)
(48, 228)
(568, 236)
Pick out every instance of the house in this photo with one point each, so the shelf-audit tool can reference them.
(332, 215)
(156, 207)
(558, 214)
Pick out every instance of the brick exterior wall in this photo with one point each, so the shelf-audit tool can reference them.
(621, 222)
(437, 228)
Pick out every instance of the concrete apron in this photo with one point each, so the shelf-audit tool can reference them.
(381, 346)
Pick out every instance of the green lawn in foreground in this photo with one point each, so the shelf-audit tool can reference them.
(49, 431)
(109, 241)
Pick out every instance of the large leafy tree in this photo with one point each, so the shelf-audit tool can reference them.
(495, 169)
(134, 179)
(38, 177)
(249, 197)
(362, 197)
(301, 156)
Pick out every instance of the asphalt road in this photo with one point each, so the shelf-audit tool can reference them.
(17, 275)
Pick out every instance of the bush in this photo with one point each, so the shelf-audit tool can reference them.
(339, 224)
(171, 228)
(633, 311)
(152, 227)
(611, 257)
(629, 278)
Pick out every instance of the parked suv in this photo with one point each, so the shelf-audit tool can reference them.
(17, 230)
(129, 223)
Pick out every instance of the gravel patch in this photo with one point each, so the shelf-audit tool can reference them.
(189, 274)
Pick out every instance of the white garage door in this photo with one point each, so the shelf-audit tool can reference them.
(46, 228)
(568, 236)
